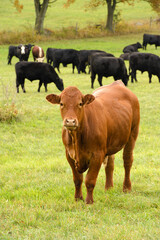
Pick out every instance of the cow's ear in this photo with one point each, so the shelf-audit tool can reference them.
(88, 98)
(53, 98)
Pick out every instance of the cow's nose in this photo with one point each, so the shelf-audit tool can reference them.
(70, 123)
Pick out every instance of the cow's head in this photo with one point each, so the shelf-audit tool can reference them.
(139, 45)
(22, 48)
(72, 103)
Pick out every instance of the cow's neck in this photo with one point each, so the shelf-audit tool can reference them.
(75, 147)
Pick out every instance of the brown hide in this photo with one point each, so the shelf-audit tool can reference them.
(95, 127)
(38, 54)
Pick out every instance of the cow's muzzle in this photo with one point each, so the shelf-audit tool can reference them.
(70, 124)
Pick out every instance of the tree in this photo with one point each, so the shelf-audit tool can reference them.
(155, 5)
(111, 6)
(41, 7)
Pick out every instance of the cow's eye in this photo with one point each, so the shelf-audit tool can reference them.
(61, 105)
(80, 104)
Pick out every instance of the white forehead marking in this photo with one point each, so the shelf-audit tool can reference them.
(22, 49)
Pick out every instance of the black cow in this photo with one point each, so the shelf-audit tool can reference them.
(108, 66)
(36, 70)
(64, 56)
(94, 54)
(144, 62)
(151, 39)
(132, 48)
(21, 52)
(50, 54)
(83, 57)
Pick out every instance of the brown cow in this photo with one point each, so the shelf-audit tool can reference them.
(38, 54)
(95, 127)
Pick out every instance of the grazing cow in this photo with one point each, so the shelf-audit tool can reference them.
(132, 48)
(64, 56)
(94, 54)
(95, 127)
(144, 62)
(38, 54)
(21, 52)
(83, 57)
(36, 70)
(151, 39)
(108, 66)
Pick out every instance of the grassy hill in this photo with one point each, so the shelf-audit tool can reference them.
(58, 17)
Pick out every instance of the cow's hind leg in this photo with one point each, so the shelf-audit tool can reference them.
(100, 80)
(109, 168)
(128, 160)
(150, 77)
(22, 85)
(93, 75)
(40, 84)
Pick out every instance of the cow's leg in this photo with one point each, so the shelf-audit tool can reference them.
(22, 86)
(77, 178)
(93, 75)
(100, 80)
(134, 76)
(45, 86)
(132, 80)
(150, 77)
(40, 84)
(17, 86)
(9, 60)
(128, 160)
(58, 67)
(73, 66)
(109, 168)
(90, 180)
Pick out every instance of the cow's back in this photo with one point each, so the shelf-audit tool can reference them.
(115, 112)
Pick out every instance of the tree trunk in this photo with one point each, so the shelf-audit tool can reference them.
(111, 5)
(40, 10)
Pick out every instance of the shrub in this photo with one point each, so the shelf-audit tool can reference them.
(8, 110)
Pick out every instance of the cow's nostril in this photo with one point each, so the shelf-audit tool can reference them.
(70, 122)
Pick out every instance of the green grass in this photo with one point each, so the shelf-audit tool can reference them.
(58, 17)
(36, 186)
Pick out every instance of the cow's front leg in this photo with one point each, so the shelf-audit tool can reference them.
(77, 178)
(91, 179)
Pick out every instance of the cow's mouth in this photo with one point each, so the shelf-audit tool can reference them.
(70, 124)
(71, 128)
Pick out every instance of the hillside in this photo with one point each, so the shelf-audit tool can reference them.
(58, 17)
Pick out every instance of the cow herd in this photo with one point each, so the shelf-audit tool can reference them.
(100, 63)
(95, 126)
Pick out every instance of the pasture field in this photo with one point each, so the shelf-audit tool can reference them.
(58, 17)
(36, 186)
